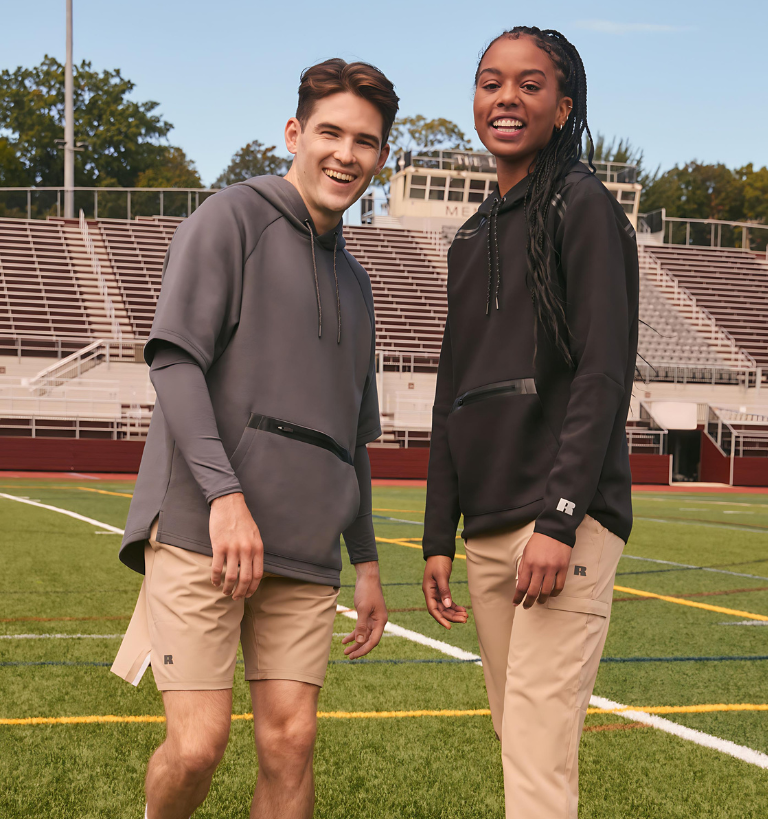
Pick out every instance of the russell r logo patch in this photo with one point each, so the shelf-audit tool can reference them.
(167, 659)
(566, 506)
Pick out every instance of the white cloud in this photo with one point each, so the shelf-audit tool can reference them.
(612, 27)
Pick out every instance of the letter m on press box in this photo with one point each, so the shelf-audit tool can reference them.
(566, 506)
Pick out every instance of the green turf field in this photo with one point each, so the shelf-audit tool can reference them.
(61, 577)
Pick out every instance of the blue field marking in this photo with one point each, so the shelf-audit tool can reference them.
(436, 661)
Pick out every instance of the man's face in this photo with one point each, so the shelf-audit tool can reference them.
(336, 154)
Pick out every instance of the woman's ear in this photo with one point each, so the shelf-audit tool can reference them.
(564, 108)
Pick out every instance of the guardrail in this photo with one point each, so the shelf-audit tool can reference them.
(746, 377)
(677, 230)
(102, 202)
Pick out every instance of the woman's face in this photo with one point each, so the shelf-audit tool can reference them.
(517, 99)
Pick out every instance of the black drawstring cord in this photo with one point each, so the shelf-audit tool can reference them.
(338, 300)
(496, 249)
(493, 257)
(317, 283)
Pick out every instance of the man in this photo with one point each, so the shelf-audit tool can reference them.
(262, 355)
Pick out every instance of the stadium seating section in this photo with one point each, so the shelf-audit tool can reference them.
(731, 284)
(43, 291)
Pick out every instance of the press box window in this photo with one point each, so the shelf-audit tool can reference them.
(476, 190)
(437, 187)
(418, 187)
(456, 190)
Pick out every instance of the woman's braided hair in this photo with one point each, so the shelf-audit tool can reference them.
(553, 161)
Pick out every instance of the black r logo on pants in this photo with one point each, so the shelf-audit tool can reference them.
(168, 659)
(580, 570)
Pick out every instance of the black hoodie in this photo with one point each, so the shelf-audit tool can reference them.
(517, 434)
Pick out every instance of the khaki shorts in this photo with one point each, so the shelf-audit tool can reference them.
(188, 631)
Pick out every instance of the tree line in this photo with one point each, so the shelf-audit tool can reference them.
(124, 143)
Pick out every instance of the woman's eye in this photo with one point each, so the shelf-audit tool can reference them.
(491, 86)
(531, 87)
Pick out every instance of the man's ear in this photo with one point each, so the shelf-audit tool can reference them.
(292, 133)
(383, 157)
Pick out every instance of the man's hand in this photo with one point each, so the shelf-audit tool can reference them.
(371, 612)
(237, 543)
(437, 592)
(542, 571)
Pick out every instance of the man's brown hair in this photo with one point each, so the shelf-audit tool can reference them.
(336, 76)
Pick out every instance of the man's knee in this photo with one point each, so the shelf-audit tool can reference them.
(197, 758)
(286, 744)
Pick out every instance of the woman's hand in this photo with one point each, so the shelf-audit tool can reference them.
(437, 592)
(542, 571)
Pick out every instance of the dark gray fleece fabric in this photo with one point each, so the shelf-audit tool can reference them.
(280, 322)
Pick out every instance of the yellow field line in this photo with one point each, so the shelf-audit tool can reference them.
(694, 605)
(410, 545)
(446, 712)
(104, 492)
(683, 709)
(111, 718)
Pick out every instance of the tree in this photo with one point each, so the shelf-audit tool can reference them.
(696, 191)
(173, 170)
(121, 138)
(755, 193)
(255, 159)
(421, 134)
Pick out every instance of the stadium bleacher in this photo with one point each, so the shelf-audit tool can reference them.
(731, 284)
(40, 293)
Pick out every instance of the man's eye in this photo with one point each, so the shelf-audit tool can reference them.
(531, 87)
(491, 86)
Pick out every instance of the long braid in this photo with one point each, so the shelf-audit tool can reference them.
(552, 163)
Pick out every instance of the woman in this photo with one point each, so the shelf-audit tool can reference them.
(533, 391)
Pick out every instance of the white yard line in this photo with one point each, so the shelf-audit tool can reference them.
(93, 522)
(416, 637)
(725, 746)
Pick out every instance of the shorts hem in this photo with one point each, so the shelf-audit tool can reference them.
(196, 685)
(276, 674)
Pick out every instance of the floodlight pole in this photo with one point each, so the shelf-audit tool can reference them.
(69, 125)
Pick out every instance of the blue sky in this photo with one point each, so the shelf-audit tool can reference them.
(681, 80)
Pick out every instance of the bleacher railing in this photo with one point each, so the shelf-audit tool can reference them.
(720, 233)
(109, 307)
(746, 378)
(737, 438)
(102, 203)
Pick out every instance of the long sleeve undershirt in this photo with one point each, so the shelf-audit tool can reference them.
(182, 393)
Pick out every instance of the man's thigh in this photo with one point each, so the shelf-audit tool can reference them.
(198, 722)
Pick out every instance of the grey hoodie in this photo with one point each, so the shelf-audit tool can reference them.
(280, 321)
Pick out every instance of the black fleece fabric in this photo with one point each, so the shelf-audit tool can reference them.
(517, 434)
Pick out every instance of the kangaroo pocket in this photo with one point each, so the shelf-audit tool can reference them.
(503, 451)
(301, 495)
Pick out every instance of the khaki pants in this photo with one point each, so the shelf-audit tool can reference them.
(540, 665)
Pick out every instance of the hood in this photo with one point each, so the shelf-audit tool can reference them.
(281, 194)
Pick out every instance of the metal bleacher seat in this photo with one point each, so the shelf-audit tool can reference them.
(731, 284)
(39, 290)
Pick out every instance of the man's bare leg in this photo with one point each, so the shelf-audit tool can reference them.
(180, 771)
(285, 725)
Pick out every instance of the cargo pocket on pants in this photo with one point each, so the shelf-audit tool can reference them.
(589, 584)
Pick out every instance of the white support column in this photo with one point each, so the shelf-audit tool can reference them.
(69, 125)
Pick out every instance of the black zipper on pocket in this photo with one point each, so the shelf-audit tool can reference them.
(303, 434)
(517, 386)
